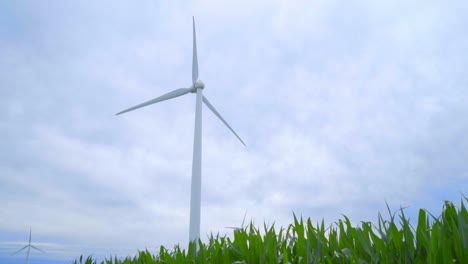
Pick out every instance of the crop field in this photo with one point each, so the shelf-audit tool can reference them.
(442, 239)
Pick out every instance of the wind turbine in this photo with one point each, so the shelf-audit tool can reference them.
(28, 246)
(237, 229)
(196, 87)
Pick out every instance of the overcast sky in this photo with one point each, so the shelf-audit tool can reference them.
(343, 105)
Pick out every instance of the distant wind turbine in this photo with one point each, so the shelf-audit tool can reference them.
(196, 87)
(28, 246)
(238, 228)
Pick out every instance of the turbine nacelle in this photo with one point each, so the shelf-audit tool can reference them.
(197, 85)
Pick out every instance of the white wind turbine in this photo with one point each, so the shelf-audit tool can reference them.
(28, 246)
(237, 229)
(196, 87)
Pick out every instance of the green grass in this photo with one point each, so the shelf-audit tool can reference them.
(442, 239)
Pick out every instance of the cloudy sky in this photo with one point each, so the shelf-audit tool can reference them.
(343, 105)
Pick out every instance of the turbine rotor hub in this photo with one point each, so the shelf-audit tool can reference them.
(199, 85)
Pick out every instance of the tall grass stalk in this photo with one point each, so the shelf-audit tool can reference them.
(442, 239)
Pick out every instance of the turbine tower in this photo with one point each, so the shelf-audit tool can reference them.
(28, 246)
(196, 87)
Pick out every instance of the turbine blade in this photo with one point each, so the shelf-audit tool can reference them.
(167, 96)
(29, 235)
(220, 117)
(38, 249)
(194, 58)
(19, 250)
